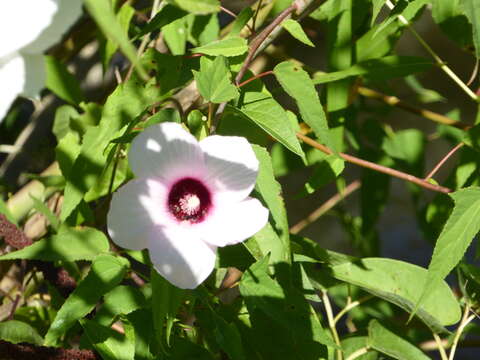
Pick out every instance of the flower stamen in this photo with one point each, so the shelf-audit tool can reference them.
(189, 200)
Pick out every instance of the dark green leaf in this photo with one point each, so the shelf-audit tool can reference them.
(106, 272)
(378, 69)
(472, 12)
(198, 7)
(389, 343)
(165, 16)
(62, 82)
(392, 280)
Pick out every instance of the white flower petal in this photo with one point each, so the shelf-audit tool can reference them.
(232, 166)
(12, 81)
(234, 223)
(135, 210)
(181, 257)
(68, 11)
(22, 21)
(166, 150)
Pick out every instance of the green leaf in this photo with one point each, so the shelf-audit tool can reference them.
(287, 308)
(198, 7)
(165, 16)
(125, 103)
(214, 80)
(69, 244)
(472, 12)
(109, 343)
(387, 342)
(103, 14)
(124, 18)
(228, 337)
(15, 331)
(456, 236)
(354, 343)
(176, 35)
(296, 82)
(296, 30)
(240, 21)
(62, 82)
(377, 6)
(166, 299)
(264, 111)
(385, 68)
(449, 16)
(106, 272)
(392, 280)
(232, 46)
(271, 191)
(122, 300)
(325, 172)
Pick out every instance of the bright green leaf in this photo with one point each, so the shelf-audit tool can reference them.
(70, 244)
(456, 236)
(264, 111)
(297, 83)
(103, 14)
(198, 7)
(296, 30)
(472, 11)
(232, 46)
(214, 80)
(270, 190)
(15, 331)
(240, 21)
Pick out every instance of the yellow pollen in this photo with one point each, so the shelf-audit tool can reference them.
(190, 204)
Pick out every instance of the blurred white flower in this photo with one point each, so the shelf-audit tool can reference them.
(189, 198)
(28, 28)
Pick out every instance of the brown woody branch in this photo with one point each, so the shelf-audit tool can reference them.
(376, 167)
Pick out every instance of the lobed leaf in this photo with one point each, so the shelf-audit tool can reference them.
(214, 80)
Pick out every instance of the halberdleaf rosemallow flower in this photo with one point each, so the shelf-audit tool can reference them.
(189, 198)
(28, 28)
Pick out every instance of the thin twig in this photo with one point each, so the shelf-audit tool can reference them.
(441, 349)
(465, 320)
(395, 101)
(331, 323)
(229, 12)
(269, 72)
(325, 207)
(356, 354)
(474, 73)
(255, 44)
(441, 162)
(350, 306)
(376, 167)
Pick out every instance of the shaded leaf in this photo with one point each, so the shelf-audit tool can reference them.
(15, 331)
(296, 30)
(62, 82)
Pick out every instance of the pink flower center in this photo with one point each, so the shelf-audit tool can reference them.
(189, 200)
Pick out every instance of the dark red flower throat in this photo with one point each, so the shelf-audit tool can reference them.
(189, 200)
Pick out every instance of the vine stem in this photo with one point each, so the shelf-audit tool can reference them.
(395, 101)
(442, 161)
(331, 323)
(376, 167)
(326, 206)
(465, 321)
(435, 56)
(441, 349)
(356, 354)
(350, 306)
(255, 44)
